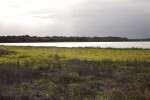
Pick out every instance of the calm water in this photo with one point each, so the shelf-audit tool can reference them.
(145, 45)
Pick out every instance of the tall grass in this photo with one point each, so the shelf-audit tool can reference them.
(51, 74)
(96, 54)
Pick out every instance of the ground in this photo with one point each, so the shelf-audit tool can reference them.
(42, 73)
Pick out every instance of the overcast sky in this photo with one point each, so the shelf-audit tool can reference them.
(125, 18)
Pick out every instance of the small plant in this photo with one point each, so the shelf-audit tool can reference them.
(71, 77)
(6, 96)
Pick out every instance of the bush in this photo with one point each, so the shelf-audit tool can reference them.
(70, 78)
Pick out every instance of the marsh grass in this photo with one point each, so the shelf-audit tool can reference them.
(5, 52)
(97, 54)
(76, 79)
(43, 74)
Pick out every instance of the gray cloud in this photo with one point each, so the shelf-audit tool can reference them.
(127, 18)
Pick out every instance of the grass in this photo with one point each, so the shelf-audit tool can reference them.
(29, 53)
(74, 73)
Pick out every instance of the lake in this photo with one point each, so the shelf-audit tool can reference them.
(144, 45)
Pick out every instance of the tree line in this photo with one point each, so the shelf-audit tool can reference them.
(27, 38)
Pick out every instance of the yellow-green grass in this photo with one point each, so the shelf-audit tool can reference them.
(96, 54)
(70, 79)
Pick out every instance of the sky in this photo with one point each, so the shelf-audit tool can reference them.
(123, 18)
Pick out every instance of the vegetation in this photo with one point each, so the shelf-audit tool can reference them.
(27, 38)
(38, 73)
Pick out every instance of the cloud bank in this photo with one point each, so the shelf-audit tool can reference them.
(125, 18)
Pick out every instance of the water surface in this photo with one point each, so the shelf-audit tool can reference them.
(144, 45)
